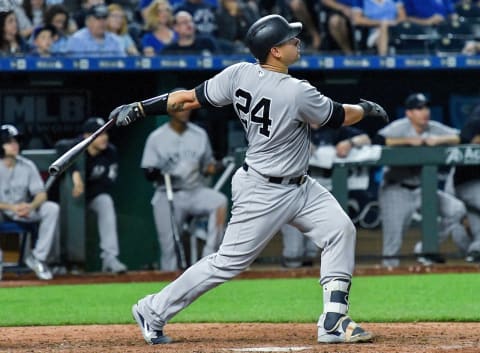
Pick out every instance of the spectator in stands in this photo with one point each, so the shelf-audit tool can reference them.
(80, 16)
(94, 40)
(203, 15)
(58, 17)
(35, 11)
(466, 180)
(301, 12)
(24, 24)
(117, 23)
(143, 4)
(188, 41)
(379, 16)
(471, 47)
(42, 40)
(11, 42)
(299, 250)
(101, 170)
(339, 17)
(234, 17)
(429, 12)
(158, 23)
(23, 199)
(400, 192)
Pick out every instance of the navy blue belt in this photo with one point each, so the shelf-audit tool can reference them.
(277, 180)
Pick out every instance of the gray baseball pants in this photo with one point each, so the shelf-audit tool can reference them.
(469, 193)
(48, 232)
(259, 210)
(397, 206)
(195, 202)
(104, 208)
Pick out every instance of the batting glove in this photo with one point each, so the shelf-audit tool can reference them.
(127, 113)
(373, 109)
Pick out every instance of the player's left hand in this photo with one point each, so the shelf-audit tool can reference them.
(127, 113)
(373, 109)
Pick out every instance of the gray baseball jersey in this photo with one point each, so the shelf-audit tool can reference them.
(20, 183)
(404, 128)
(277, 134)
(184, 156)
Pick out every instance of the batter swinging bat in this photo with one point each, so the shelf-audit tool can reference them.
(66, 159)
(182, 263)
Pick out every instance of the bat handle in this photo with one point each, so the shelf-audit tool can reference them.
(168, 186)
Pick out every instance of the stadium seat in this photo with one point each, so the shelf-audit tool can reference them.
(468, 10)
(452, 36)
(410, 38)
(25, 232)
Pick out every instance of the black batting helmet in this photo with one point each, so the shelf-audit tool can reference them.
(7, 132)
(268, 32)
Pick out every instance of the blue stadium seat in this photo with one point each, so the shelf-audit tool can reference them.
(24, 232)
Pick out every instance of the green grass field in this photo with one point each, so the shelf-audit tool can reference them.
(409, 298)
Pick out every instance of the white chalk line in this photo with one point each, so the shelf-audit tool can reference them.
(269, 349)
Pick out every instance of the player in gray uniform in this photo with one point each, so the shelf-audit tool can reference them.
(271, 188)
(400, 192)
(467, 185)
(23, 198)
(183, 150)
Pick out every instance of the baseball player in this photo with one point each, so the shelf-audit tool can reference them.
(183, 150)
(23, 198)
(467, 185)
(400, 192)
(101, 170)
(271, 188)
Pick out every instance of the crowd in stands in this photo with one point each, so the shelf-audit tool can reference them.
(155, 27)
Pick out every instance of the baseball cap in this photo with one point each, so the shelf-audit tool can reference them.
(416, 100)
(40, 29)
(98, 11)
(92, 124)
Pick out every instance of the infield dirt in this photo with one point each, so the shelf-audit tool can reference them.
(245, 337)
(242, 337)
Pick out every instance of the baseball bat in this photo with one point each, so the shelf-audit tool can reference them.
(66, 159)
(182, 263)
(223, 178)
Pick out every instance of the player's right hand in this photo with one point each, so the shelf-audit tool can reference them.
(127, 113)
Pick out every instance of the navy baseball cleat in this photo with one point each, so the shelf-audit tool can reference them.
(344, 331)
(150, 336)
